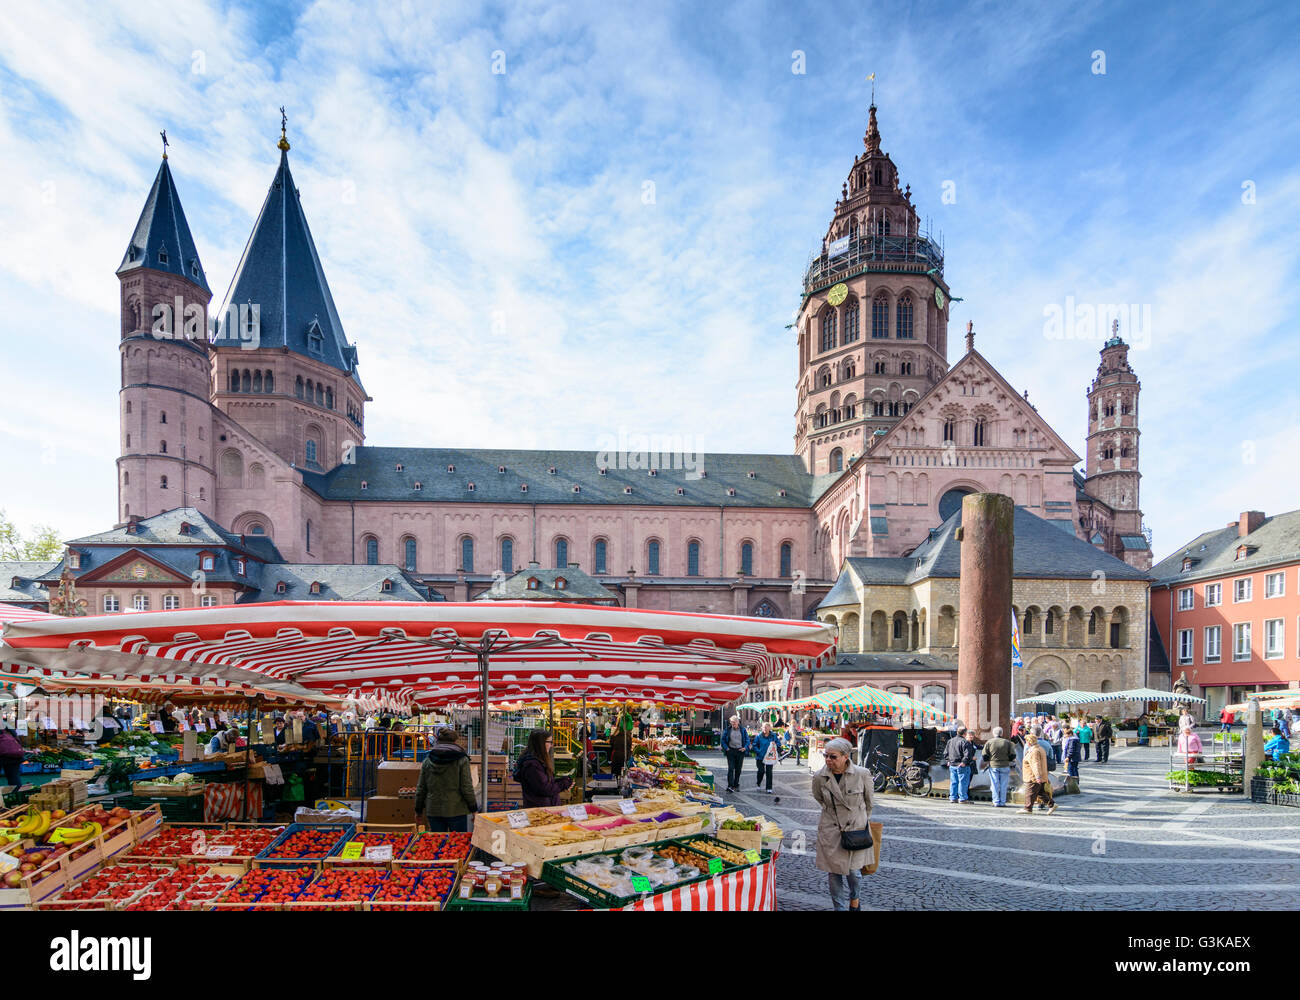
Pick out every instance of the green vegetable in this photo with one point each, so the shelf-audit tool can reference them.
(1203, 779)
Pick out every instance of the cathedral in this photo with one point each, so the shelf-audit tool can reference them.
(255, 418)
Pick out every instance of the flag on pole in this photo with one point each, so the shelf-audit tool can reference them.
(1016, 661)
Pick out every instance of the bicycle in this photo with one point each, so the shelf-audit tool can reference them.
(913, 780)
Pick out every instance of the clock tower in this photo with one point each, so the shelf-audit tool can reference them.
(872, 328)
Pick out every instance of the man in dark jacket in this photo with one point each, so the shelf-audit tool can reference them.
(1104, 734)
(444, 795)
(960, 754)
(620, 745)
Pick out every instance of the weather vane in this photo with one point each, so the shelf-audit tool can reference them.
(163, 133)
(284, 122)
(872, 78)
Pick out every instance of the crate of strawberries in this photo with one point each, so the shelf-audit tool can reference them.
(411, 889)
(214, 841)
(449, 850)
(340, 888)
(266, 889)
(304, 843)
(377, 849)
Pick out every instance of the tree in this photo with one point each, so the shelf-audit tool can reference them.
(42, 543)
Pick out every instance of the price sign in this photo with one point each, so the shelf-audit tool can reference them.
(753, 857)
(7, 861)
(518, 820)
(185, 726)
(384, 852)
(577, 812)
(352, 850)
(200, 727)
(224, 716)
(715, 866)
(156, 727)
(628, 806)
(221, 851)
(640, 883)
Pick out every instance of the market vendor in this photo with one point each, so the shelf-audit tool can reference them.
(535, 772)
(620, 745)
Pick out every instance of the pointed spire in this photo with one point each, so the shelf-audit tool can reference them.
(281, 273)
(872, 139)
(970, 338)
(162, 240)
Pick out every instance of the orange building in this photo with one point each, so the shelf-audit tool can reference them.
(1227, 608)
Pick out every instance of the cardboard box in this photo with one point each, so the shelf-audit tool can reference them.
(388, 809)
(394, 775)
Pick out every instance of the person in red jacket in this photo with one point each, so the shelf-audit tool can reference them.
(535, 772)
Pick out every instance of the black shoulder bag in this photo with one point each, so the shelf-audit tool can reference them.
(854, 840)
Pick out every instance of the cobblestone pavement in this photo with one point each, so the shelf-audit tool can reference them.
(1124, 843)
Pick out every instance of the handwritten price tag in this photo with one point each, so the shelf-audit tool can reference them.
(352, 850)
(640, 883)
(221, 851)
(384, 852)
(628, 806)
(577, 812)
(753, 857)
(518, 820)
(715, 866)
(7, 861)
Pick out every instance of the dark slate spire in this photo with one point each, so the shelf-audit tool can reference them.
(162, 239)
(281, 273)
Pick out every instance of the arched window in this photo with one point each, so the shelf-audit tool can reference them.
(652, 557)
(257, 380)
(599, 554)
(162, 482)
(311, 452)
(837, 460)
(879, 317)
(561, 553)
(905, 317)
(828, 328)
(467, 554)
(410, 555)
(949, 431)
(787, 553)
(268, 382)
(297, 387)
(693, 559)
(246, 382)
(850, 368)
(372, 551)
(329, 398)
(507, 555)
(162, 446)
(1049, 622)
(905, 368)
(308, 536)
(1029, 621)
(234, 380)
(128, 406)
(980, 426)
(320, 394)
(747, 559)
(162, 416)
(851, 321)
(825, 378)
(126, 479)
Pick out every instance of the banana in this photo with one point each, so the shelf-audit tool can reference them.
(76, 834)
(28, 823)
(43, 825)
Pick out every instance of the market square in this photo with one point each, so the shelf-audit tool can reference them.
(466, 460)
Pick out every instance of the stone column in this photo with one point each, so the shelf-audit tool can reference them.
(987, 535)
(1252, 742)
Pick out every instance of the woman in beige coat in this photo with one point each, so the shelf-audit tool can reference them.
(843, 790)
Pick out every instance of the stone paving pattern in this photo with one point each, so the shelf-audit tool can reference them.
(1125, 843)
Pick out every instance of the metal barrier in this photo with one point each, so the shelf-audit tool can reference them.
(363, 753)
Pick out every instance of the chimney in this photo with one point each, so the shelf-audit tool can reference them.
(1248, 521)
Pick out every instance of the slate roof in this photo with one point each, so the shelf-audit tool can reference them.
(281, 273)
(377, 467)
(165, 529)
(1042, 551)
(882, 663)
(579, 586)
(162, 226)
(20, 582)
(1277, 540)
(339, 582)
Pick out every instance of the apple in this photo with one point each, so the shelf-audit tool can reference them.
(13, 880)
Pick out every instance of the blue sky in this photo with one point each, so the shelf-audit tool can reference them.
(494, 254)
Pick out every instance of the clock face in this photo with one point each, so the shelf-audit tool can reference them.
(938, 297)
(837, 294)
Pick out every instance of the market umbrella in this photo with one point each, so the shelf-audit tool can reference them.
(502, 649)
(1069, 697)
(1149, 694)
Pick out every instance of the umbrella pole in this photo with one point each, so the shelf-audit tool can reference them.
(582, 750)
(248, 746)
(550, 713)
(483, 722)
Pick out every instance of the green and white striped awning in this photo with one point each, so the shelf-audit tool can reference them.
(864, 698)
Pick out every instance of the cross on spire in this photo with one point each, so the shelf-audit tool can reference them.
(163, 133)
(283, 144)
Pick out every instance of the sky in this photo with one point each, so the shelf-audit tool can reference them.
(544, 222)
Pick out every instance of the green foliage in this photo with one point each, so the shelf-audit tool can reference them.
(1200, 779)
(42, 543)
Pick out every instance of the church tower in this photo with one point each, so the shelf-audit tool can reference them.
(1112, 475)
(281, 365)
(165, 458)
(873, 322)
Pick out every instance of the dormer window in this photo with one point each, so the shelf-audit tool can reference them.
(131, 252)
(386, 587)
(501, 470)
(162, 255)
(681, 492)
(627, 489)
(654, 472)
(451, 468)
(751, 474)
(604, 471)
(577, 489)
(194, 269)
(523, 487)
(532, 583)
(365, 485)
(471, 487)
(241, 567)
(399, 467)
(207, 561)
(315, 339)
(1187, 564)
(418, 486)
(315, 587)
(186, 527)
(551, 470)
(731, 491)
(281, 587)
(74, 561)
(561, 583)
(782, 493)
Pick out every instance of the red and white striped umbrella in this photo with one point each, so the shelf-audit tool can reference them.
(432, 652)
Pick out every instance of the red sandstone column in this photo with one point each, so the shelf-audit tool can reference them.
(984, 643)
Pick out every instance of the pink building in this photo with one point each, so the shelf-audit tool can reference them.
(260, 426)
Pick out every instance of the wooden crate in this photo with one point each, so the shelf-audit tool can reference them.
(51, 878)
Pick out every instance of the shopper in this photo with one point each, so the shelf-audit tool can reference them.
(1034, 775)
(1084, 733)
(960, 754)
(735, 744)
(1225, 720)
(843, 790)
(1280, 744)
(1189, 747)
(999, 755)
(444, 795)
(1144, 731)
(11, 757)
(535, 772)
(762, 742)
(1105, 733)
(620, 746)
(1070, 752)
